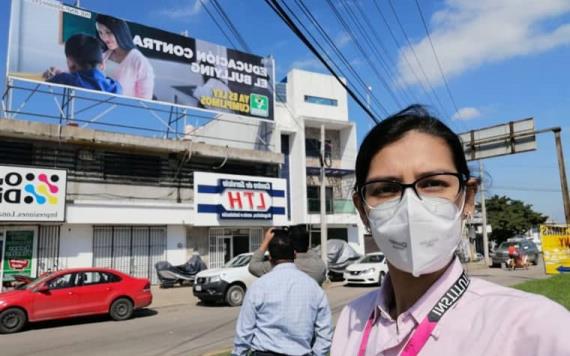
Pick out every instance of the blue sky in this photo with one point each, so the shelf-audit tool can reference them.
(503, 60)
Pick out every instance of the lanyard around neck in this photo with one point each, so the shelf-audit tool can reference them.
(422, 332)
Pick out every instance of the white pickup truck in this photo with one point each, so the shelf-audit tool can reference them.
(227, 284)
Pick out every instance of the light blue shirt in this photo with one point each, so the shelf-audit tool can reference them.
(283, 312)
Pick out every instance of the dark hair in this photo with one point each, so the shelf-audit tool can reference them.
(299, 237)
(414, 117)
(85, 50)
(280, 247)
(119, 28)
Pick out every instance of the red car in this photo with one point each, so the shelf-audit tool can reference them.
(73, 292)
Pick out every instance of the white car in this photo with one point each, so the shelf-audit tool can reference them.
(227, 284)
(371, 269)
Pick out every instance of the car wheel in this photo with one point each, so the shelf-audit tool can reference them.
(381, 278)
(234, 295)
(12, 320)
(121, 309)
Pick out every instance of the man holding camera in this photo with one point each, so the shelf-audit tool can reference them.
(284, 312)
(305, 260)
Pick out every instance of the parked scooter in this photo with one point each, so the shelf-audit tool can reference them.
(169, 275)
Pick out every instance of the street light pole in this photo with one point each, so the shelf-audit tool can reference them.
(484, 216)
(562, 170)
(323, 199)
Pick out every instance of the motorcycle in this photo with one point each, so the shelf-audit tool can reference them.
(518, 261)
(170, 275)
(339, 256)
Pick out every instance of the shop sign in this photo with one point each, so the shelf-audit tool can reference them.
(19, 252)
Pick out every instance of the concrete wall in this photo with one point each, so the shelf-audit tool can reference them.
(348, 148)
(176, 244)
(76, 246)
(298, 178)
(356, 237)
(128, 213)
(237, 132)
(127, 193)
(197, 241)
(301, 83)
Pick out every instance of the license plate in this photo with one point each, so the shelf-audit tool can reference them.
(198, 288)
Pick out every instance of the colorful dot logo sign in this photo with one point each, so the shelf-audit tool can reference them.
(42, 192)
(52, 187)
(30, 199)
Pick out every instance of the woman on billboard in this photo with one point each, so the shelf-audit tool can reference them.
(123, 62)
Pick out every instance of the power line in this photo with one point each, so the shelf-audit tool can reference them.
(363, 52)
(406, 60)
(276, 7)
(391, 74)
(437, 60)
(361, 49)
(231, 26)
(431, 89)
(331, 43)
(217, 24)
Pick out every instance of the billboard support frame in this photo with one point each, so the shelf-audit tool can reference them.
(169, 114)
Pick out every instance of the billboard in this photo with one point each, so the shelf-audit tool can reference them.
(70, 46)
(32, 194)
(504, 139)
(556, 248)
(225, 199)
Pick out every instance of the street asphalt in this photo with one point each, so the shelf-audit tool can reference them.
(176, 324)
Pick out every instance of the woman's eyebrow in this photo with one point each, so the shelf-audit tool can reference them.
(418, 175)
(390, 178)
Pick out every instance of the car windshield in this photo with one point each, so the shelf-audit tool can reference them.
(507, 244)
(372, 259)
(238, 261)
(35, 283)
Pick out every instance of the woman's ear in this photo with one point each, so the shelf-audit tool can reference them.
(361, 209)
(471, 188)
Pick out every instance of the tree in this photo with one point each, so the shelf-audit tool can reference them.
(509, 217)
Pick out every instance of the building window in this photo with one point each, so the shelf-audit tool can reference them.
(314, 201)
(313, 147)
(321, 101)
(281, 92)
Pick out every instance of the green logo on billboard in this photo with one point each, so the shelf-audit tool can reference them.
(259, 105)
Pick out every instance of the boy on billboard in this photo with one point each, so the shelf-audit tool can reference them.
(84, 61)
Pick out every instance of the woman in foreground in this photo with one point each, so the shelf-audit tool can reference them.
(413, 190)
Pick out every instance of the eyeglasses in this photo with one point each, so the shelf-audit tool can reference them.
(440, 185)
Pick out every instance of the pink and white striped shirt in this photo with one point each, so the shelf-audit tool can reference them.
(487, 320)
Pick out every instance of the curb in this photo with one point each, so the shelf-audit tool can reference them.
(215, 353)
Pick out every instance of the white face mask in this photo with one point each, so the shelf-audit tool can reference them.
(417, 236)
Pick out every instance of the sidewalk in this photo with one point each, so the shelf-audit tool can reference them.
(178, 296)
(172, 297)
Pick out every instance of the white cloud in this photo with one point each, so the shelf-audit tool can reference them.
(342, 40)
(467, 34)
(189, 10)
(466, 113)
(307, 63)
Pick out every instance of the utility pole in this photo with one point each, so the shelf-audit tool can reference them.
(484, 216)
(323, 199)
(562, 170)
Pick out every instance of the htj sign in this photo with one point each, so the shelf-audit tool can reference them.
(223, 198)
(32, 194)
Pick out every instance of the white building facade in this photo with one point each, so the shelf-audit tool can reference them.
(133, 201)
